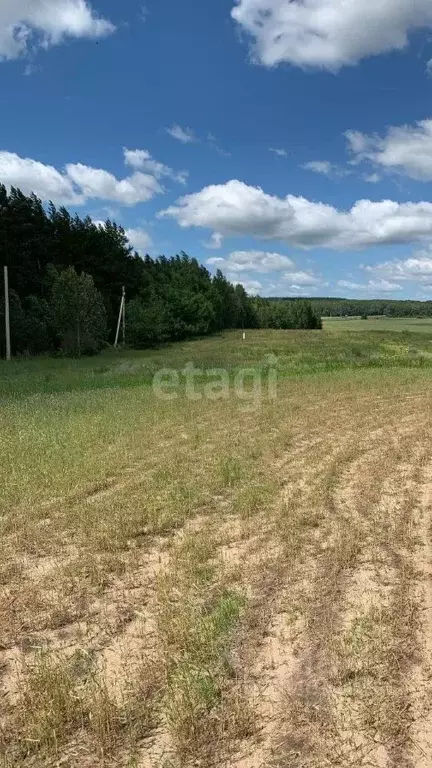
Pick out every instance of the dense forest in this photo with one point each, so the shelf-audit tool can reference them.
(66, 276)
(333, 307)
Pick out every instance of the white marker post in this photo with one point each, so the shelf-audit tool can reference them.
(7, 315)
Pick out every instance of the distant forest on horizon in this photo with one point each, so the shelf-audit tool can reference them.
(339, 307)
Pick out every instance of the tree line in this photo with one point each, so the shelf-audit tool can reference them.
(66, 276)
(334, 307)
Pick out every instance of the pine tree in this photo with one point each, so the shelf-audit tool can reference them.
(78, 312)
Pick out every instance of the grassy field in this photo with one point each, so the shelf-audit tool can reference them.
(236, 576)
(408, 324)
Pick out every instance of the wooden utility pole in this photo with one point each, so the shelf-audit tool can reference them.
(7, 316)
(122, 316)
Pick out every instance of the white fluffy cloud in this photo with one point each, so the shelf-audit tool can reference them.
(383, 286)
(185, 135)
(43, 23)
(235, 208)
(253, 287)
(405, 149)
(302, 279)
(44, 180)
(97, 183)
(416, 269)
(141, 159)
(246, 266)
(139, 239)
(256, 261)
(328, 33)
(76, 183)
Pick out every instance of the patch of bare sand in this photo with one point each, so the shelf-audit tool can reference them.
(133, 648)
(302, 687)
(269, 677)
(279, 651)
(421, 683)
(374, 493)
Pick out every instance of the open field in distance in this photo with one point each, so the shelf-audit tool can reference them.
(239, 582)
(379, 323)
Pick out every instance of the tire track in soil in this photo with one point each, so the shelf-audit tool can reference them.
(278, 656)
(315, 737)
(421, 682)
(364, 730)
(288, 660)
(334, 733)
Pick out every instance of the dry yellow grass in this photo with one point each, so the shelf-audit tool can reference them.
(199, 583)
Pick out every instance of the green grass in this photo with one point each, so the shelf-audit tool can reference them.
(343, 343)
(379, 323)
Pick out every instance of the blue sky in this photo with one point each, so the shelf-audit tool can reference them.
(166, 117)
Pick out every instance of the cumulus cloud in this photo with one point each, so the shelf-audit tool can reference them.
(141, 159)
(76, 183)
(328, 33)
(416, 269)
(26, 24)
(235, 208)
(405, 149)
(383, 286)
(44, 180)
(253, 287)
(139, 239)
(256, 261)
(97, 183)
(302, 279)
(246, 266)
(185, 135)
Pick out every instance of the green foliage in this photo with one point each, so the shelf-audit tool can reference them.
(17, 324)
(146, 322)
(79, 313)
(369, 307)
(66, 276)
(293, 314)
(39, 329)
(227, 308)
